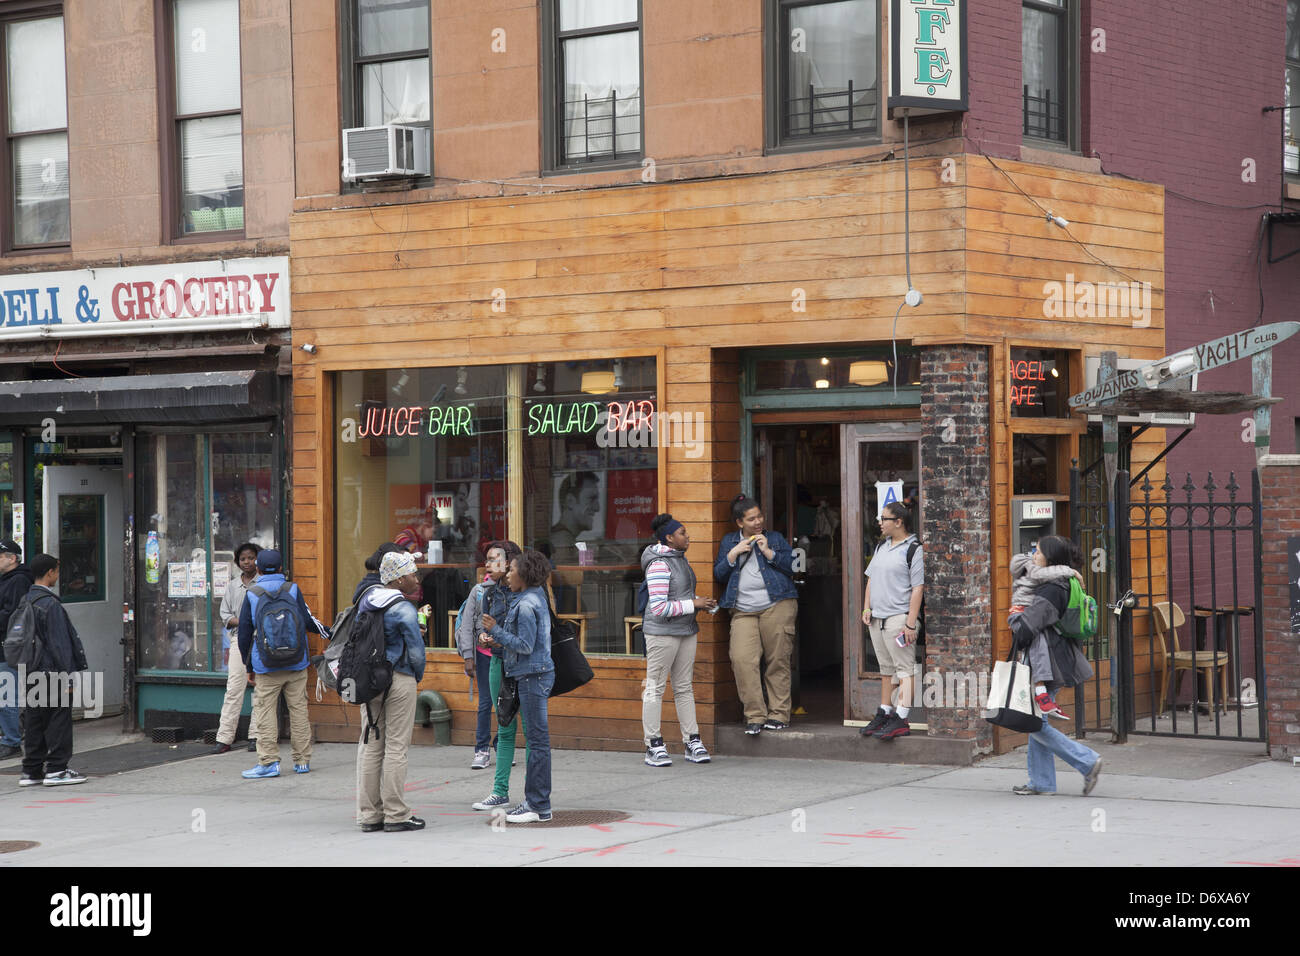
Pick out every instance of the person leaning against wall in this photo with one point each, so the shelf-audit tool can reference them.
(754, 568)
(891, 609)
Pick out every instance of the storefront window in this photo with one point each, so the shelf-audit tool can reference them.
(1039, 383)
(423, 459)
(6, 485)
(203, 496)
(81, 548)
(867, 368)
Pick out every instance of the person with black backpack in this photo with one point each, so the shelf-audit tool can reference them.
(16, 579)
(273, 627)
(54, 650)
(891, 609)
(385, 656)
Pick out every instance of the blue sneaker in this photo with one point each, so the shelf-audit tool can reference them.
(302, 768)
(263, 770)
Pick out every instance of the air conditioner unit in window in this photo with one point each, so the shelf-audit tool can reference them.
(385, 152)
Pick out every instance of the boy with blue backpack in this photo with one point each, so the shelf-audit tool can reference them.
(273, 627)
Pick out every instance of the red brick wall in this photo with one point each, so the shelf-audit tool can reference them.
(1280, 481)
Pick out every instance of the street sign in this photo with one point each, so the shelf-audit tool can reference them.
(1213, 354)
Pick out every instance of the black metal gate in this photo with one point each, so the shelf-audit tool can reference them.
(1180, 649)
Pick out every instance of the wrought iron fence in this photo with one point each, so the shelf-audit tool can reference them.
(1044, 115)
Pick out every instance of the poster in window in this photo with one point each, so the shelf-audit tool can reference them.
(631, 497)
(577, 511)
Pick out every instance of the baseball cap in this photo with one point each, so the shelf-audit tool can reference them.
(269, 560)
(10, 546)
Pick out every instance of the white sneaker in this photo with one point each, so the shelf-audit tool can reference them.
(696, 752)
(656, 755)
(526, 814)
(481, 760)
(491, 802)
(63, 778)
(27, 781)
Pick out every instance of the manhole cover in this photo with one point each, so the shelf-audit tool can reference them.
(13, 846)
(579, 818)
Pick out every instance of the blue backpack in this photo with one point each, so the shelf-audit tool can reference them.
(280, 631)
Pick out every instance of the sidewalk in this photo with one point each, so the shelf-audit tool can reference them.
(1160, 802)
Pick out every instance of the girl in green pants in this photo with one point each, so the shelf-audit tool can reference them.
(496, 601)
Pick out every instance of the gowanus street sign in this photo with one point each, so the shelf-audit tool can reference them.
(1213, 354)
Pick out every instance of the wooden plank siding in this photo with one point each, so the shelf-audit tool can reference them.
(693, 272)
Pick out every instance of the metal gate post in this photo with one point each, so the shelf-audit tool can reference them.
(1261, 666)
(1122, 719)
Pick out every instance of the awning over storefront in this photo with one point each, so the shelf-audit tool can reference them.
(190, 397)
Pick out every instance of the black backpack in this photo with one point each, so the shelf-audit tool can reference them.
(920, 617)
(364, 671)
(22, 644)
(280, 631)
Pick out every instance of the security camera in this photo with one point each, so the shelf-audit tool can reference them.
(308, 347)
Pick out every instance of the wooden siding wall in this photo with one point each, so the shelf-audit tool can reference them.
(692, 272)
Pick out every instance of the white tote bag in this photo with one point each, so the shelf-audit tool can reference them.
(1011, 702)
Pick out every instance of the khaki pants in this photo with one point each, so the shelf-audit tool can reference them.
(381, 763)
(668, 658)
(764, 635)
(236, 684)
(266, 694)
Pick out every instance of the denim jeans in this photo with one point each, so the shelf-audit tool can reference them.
(534, 691)
(1049, 741)
(10, 736)
(483, 680)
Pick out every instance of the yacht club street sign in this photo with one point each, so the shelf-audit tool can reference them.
(1210, 355)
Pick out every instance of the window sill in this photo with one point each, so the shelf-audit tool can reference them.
(816, 143)
(53, 250)
(1061, 158)
(196, 238)
(579, 169)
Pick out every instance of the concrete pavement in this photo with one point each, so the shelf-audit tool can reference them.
(1160, 802)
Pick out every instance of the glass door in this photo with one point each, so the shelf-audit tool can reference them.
(882, 463)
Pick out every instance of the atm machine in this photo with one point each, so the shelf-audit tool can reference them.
(1035, 518)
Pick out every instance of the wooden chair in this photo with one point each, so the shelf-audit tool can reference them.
(630, 624)
(1168, 619)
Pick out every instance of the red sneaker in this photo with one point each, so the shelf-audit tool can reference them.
(1049, 708)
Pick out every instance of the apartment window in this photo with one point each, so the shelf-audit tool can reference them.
(1046, 28)
(203, 149)
(824, 71)
(593, 78)
(390, 62)
(36, 134)
(1292, 85)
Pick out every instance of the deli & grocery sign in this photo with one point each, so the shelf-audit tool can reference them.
(205, 296)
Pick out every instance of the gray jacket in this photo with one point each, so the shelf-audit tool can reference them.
(675, 609)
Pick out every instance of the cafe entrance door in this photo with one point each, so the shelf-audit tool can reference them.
(822, 484)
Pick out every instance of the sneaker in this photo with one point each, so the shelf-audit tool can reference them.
(372, 827)
(894, 726)
(8, 752)
(63, 778)
(1090, 779)
(491, 803)
(877, 722)
(695, 751)
(410, 823)
(481, 760)
(656, 755)
(753, 730)
(771, 724)
(302, 768)
(263, 770)
(526, 814)
(27, 781)
(222, 749)
(1049, 708)
(1025, 790)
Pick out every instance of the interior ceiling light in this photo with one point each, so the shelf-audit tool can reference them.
(868, 372)
(462, 376)
(540, 385)
(598, 383)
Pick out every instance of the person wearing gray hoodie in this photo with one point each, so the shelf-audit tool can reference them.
(670, 638)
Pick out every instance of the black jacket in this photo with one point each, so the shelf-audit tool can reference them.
(62, 651)
(1070, 665)
(14, 586)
